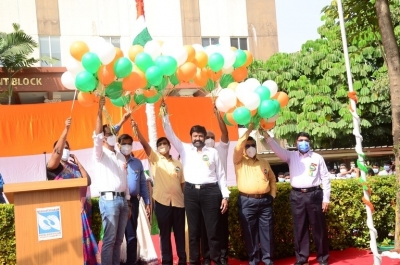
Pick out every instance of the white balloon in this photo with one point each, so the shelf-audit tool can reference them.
(168, 48)
(68, 80)
(180, 54)
(227, 97)
(220, 106)
(153, 48)
(74, 66)
(252, 83)
(227, 70)
(251, 101)
(273, 118)
(229, 57)
(105, 51)
(241, 91)
(94, 42)
(197, 47)
(272, 86)
(211, 49)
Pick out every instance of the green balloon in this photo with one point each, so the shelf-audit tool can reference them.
(153, 99)
(163, 84)
(263, 92)
(277, 106)
(216, 62)
(242, 115)
(114, 90)
(121, 101)
(143, 61)
(85, 81)
(241, 58)
(226, 121)
(154, 75)
(210, 85)
(139, 99)
(122, 67)
(268, 108)
(225, 80)
(174, 79)
(167, 64)
(91, 62)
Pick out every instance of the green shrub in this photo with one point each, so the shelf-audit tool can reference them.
(346, 219)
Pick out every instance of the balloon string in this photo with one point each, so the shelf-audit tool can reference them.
(73, 102)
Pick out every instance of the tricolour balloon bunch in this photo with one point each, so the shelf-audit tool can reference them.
(251, 101)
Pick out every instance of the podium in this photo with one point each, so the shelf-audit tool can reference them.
(48, 225)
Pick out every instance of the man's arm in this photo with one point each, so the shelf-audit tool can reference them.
(272, 181)
(238, 151)
(222, 126)
(326, 181)
(169, 132)
(98, 131)
(55, 158)
(118, 126)
(142, 140)
(278, 150)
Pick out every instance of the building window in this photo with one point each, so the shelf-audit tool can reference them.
(209, 41)
(239, 43)
(116, 41)
(50, 46)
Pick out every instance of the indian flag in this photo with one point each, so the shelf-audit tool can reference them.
(141, 34)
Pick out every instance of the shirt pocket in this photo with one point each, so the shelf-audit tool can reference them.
(313, 169)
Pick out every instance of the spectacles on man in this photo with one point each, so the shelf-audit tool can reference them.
(247, 146)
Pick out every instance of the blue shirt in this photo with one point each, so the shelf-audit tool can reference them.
(137, 182)
(1, 182)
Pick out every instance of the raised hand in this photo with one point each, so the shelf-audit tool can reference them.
(68, 122)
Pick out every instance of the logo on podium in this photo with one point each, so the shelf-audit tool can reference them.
(49, 223)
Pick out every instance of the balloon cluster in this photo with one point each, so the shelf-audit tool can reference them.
(142, 76)
(251, 101)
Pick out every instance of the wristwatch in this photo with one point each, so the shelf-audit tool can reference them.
(226, 198)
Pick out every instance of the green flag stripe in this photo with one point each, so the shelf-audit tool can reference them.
(142, 38)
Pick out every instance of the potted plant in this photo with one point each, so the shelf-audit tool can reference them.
(386, 245)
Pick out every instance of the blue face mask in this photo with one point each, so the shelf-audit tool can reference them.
(386, 168)
(303, 146)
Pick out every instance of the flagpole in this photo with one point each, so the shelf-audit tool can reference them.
(356, 131)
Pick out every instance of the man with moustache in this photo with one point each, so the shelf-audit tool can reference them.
(205, 192)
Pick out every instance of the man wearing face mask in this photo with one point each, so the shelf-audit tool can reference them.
(112, 184)
(223, 149)
(387, 169)
(2, 200)
(308, 200)
(256, 183)
(375, 168)
(205, 192)
(137, 184)
(168, 196)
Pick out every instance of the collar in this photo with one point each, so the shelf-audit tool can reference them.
(309, 154)
(249, 158)
(106, 150)
(205, 148)
(163, 157)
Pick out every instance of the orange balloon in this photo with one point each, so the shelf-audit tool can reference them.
(253, 112)
(135, 80)
(78, 49)
(201, 59)
(239, 104)
(230, 119)
(282, 98)
(191, 53)
(118, 54)
(186, 71)
(106, 74)
(249, 58)
(214, 75)
(201, 77)
(148, 93)
(239, 74)
(133, 51)
(87, 99)
(266, 125)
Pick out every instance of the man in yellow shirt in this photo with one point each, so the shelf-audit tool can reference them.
(257, 187)
(168, 195)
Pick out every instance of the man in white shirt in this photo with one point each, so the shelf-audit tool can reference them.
(223, 149)
(205, 192)
(112, 184)
(387, 169)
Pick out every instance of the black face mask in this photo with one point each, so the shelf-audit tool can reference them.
(198, 143)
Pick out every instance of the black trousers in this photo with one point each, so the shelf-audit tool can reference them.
(256, 217)
(130, 233)
(307, 211)
(223, 230)
(204, 202)
(171, 217)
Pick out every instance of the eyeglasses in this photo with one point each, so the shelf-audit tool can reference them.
(247, 146)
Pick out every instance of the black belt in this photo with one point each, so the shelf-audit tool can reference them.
(201, 186)
(115, 193)
(255, 196)
(305, 190)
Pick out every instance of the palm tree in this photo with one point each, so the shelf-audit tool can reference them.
(15, 51)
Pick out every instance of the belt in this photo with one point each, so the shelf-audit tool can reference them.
(255, 196)
(114, 193)
(305, 190)
(201, 186)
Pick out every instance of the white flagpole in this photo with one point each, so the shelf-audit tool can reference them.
(356, 131)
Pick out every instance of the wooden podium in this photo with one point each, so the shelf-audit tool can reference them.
(48, 225)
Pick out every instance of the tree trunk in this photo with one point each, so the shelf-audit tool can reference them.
(393, 64)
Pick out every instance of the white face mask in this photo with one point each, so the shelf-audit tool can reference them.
(65, 155)
(210, 142)
(112, 140)
(287, 180)
(162, 149)
(376, 170)
(251, 152)
(126, 149)
(343, 171)
(281, 179)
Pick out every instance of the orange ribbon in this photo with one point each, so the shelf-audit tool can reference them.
(352, 95)
(367, 202)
